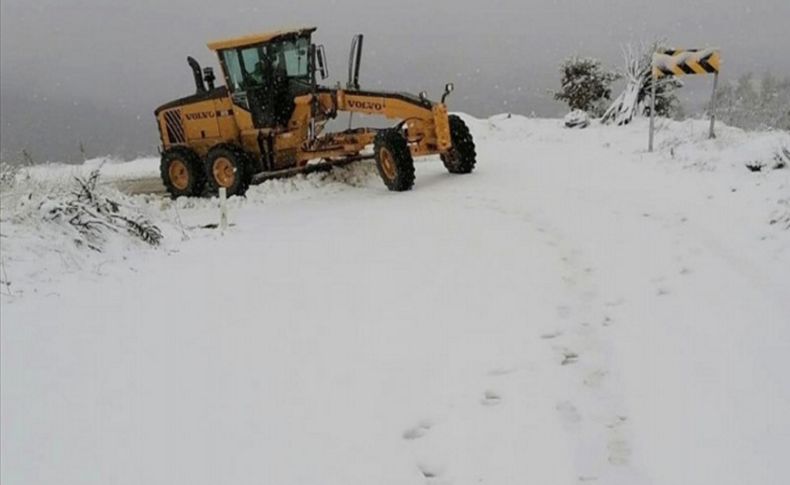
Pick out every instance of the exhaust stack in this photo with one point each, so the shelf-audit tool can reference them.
(200, 87)
(354, 61)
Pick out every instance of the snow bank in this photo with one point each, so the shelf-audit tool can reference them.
(683, 145)
(111, 170)
(687, 142)
(57, 224)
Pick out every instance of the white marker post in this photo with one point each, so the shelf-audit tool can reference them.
(223, 209)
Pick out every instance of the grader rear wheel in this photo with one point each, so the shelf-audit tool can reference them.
(393, 160)
(224, 172)
(228, 167)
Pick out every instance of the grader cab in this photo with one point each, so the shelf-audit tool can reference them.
(268, 120)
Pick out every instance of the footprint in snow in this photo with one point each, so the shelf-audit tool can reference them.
(617, 422)
(490, 398)
(569, 357)
(568, 412)
(551, 335)
(417, 431)
(619, 451)
(502, 371)
(595, 378)
(429, 470)
(563, 311)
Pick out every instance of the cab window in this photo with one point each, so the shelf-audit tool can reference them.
(233, 68)
(248, 67)
(251, 58)
(294, 53)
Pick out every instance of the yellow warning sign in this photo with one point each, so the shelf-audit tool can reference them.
(679, 62)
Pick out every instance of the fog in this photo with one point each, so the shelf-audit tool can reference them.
(91, 72)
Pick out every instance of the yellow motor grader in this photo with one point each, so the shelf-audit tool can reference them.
(269, 118)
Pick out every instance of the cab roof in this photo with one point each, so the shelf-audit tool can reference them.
(258, 38)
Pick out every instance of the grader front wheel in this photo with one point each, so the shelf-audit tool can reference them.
(393, 160)
(182, 173)
(462, 157)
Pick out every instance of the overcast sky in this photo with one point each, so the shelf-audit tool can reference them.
(94, 70)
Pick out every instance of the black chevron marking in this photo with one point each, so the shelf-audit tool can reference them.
(686, 68)
(665, 71)
(704, 63)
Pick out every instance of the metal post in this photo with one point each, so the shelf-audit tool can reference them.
(223, 209)
(652, 111)
(713, 105)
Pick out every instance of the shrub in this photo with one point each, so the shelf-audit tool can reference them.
(586, 85)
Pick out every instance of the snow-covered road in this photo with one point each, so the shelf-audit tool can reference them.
(574, 311)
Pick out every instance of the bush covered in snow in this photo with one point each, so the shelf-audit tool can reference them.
(8, 175)
(635, 98)
(577, 119)
(82, 211)
(93, 214)
(586, 85)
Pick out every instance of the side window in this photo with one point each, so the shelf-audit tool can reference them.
(231, 58)
(295, 54)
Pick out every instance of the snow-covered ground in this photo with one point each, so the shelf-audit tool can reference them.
(576, 310)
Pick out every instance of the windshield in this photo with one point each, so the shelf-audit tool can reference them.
(255, 66)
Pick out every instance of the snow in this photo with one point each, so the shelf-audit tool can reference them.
(576, 310)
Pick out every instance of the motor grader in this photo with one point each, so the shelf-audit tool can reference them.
(268, 120)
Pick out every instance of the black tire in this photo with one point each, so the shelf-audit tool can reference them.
(182, 172)
(462, 157)
(228, 166)
(393, 160)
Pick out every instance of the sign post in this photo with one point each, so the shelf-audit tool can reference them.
(680, 62)
(712, 107)
(653, 82)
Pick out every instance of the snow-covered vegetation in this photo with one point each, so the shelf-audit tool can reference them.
(755, 104)
(585, 85)
(634, 100)
(576, 310)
